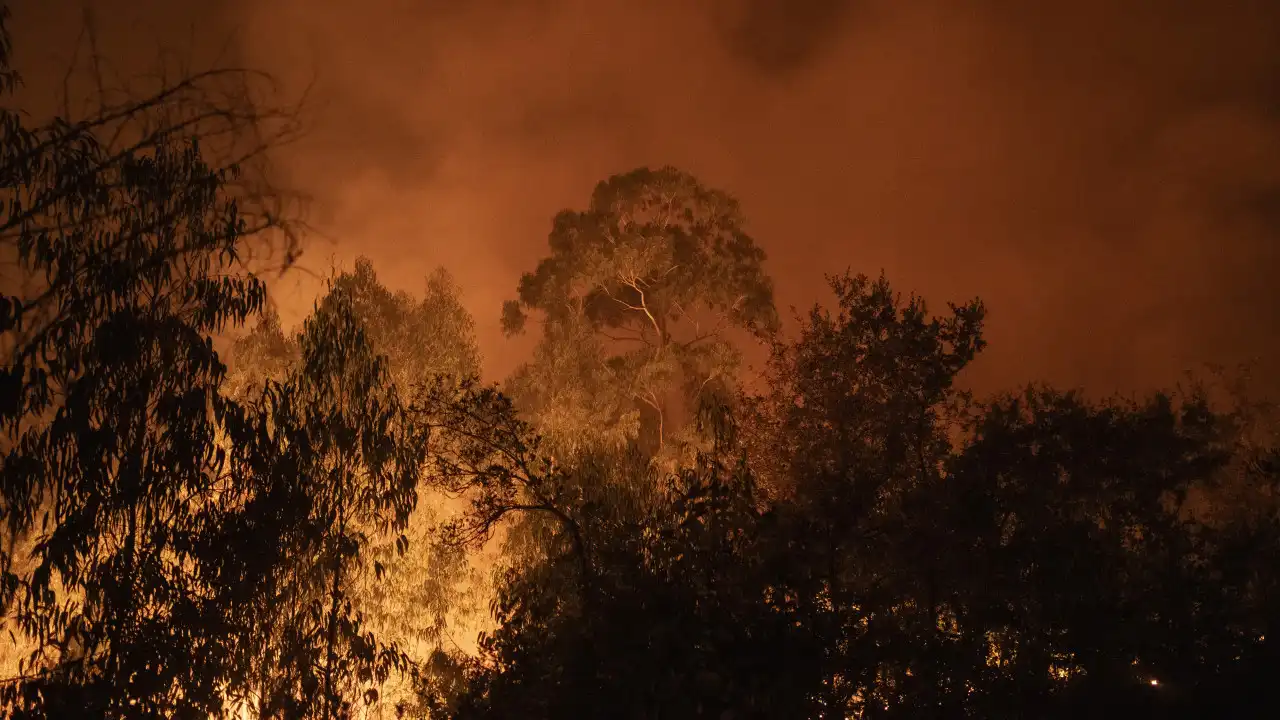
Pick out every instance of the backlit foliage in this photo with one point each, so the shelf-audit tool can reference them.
(405, 585)
(297, 537)
(639, 297)
(126, 475)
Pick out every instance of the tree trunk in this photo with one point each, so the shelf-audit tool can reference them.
(331, 639)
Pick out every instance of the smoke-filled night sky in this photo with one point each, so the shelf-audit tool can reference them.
(1104, 174)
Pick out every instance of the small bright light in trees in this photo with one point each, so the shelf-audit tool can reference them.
(1154, 682)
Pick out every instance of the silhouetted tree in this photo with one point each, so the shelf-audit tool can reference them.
(851, 436)
(667, 618)
(1077, 579)
(910, 553)
(122, 486)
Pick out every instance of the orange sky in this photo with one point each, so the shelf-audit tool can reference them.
(1105, 174)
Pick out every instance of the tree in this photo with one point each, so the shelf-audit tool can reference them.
(638, 295)
(850, 437)
(1080, 580)
(641, 297)
(121, 487)
(859, 539)
(422, 338)
(579, 400)
(1080, 577)
(1244, 494)
(356, 459)
(654, 609)
(1021, 556)
(404, 598)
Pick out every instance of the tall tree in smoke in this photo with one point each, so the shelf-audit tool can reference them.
(638, 296)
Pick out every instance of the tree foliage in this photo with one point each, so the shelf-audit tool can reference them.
(422, 338)
(885, 547)
(124, 475)
(354, 458)
(855, 537)
(638, 296)
(404, 598)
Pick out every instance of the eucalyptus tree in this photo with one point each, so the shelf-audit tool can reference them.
(351, 458)
(640, 298)
(409, 599)
(130, 490)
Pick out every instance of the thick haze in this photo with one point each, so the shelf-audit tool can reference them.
(1105, 175)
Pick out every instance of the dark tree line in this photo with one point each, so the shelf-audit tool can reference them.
(863, 540)
(294, 530)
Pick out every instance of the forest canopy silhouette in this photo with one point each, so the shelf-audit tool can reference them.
(309, 522)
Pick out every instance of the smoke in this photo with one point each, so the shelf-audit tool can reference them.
(1105, 175)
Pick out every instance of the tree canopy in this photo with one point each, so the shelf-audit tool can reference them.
(638, 296)
(853, 537)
